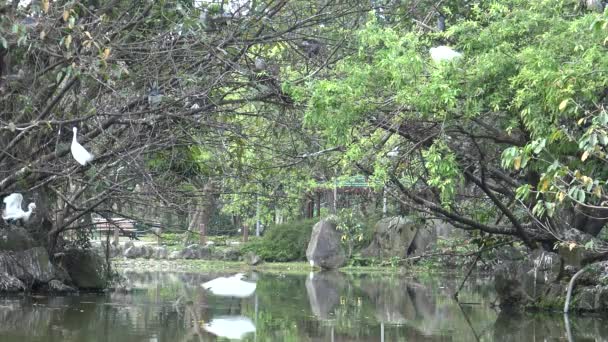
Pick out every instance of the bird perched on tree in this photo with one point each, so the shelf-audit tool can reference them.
(260, 64)
(79, 153)
(440, 22)
(12, 209)
(154, 95)
(444, 53)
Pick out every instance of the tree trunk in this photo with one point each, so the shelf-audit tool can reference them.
(208, 206)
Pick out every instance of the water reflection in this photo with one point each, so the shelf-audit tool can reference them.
(328, 306)
(232, 327)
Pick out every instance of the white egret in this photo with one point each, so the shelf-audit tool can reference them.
(393, 153)
(13, 211)
(231, 327)
(79, 153)
(444, 53)
(230, 286)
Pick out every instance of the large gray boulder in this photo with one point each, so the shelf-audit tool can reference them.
(160, 253)
(522, 281)
(175, 255)
(425, 236)
(31, 266)
(9, 283)
(252, 259)
(134, 252)
(86, 269)
(324, 247)
(392, 237)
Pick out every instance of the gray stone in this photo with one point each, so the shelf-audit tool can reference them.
(425, 236)
(147, 252)
(520, 282)
(324, 248)
(86, 269)
(190, 252)
(175, 255)
(31, 266)
(59, 287)
(204, 252)
(128, 245)
(252, 259)
(9, 283)
(230, 255)
(134, 252)
(160, 253)
(392, 237)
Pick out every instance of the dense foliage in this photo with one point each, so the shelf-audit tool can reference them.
(284, 242)
(265, 104)
(528, 95)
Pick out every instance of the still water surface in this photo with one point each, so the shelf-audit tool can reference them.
(168, 307)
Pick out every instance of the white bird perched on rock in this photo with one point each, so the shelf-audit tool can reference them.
(79, 153)
(231, 327)
(230, 286)
(13, 211)
(444, 53)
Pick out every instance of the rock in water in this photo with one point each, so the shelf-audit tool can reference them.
(31, 266)
(324, 247)
(252, 259)
(58, 287)
(392, 237)
(8, 283)
(519, 282)
(86, 268)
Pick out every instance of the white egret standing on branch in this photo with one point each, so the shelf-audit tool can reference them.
(79, 153)
(13, 211)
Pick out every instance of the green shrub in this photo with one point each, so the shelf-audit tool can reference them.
(171, 239)
(284, 242)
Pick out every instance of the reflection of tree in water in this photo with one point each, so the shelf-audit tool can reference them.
(330, 306)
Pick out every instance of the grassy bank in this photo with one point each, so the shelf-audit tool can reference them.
(239, 266)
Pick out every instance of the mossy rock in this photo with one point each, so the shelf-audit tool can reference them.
(86, 269)
(15, 239)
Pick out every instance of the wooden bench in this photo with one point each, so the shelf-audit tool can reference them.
(126, 227)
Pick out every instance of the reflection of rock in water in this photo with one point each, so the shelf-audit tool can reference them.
(398, 300)
(518, 326)
(323, 291)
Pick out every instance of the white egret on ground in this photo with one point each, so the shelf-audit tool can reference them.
(79, 153)
(444, 53)
(230, 286)
(232, 327)
(12, 209)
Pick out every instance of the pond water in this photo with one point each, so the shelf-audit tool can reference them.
(322, 307)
